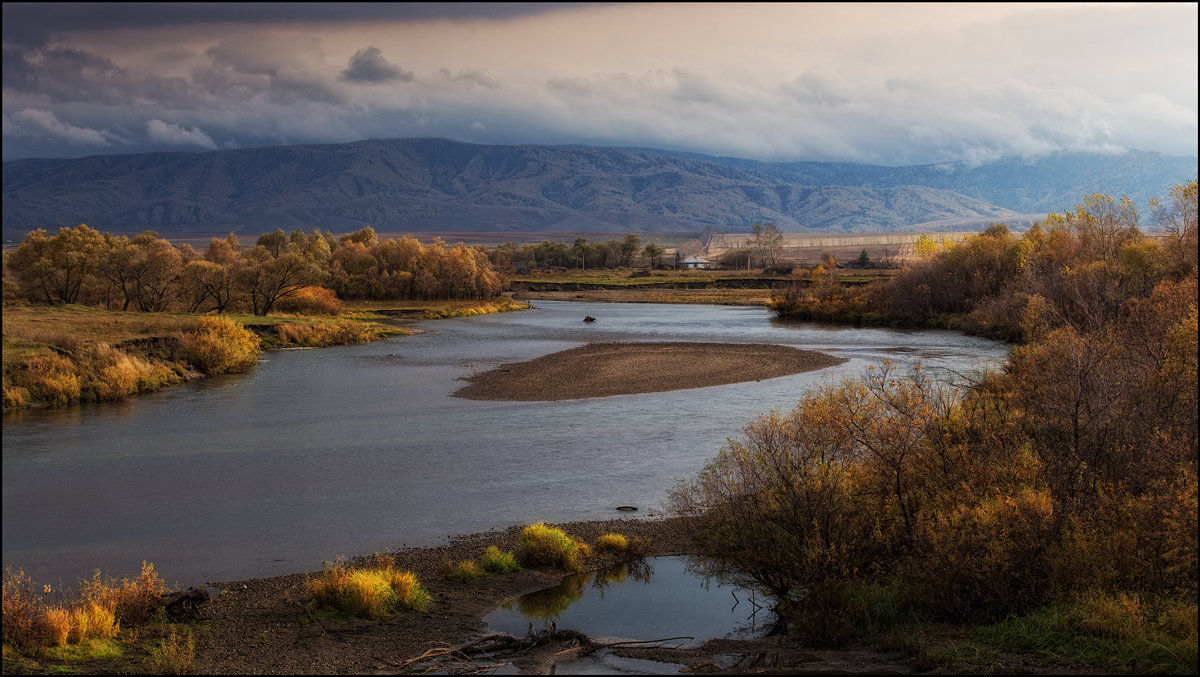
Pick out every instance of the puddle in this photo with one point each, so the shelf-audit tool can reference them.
(658, 598)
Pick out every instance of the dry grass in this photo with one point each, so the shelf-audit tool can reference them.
(335, 333)
(30, 330)
(132, 600)
(726, 297)
(612, 543)
(22, 611)
(542, 545)
(438, 309)
(173, 654)
(373, 591)
(220, 345)
(58, 622)
(92, 620)
(466, 571)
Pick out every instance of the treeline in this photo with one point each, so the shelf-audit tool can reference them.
(1067, 481)
(582, 254)
(297, 273)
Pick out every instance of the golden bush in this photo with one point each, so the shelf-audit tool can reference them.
(219, 345)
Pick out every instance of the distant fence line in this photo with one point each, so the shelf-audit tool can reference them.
(803, 240)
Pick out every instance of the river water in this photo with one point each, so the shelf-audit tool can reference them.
(356, 449)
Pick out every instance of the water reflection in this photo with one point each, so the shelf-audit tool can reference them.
(552, 602)
(647, 600)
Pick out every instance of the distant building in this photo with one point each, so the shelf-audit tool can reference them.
(693, 262)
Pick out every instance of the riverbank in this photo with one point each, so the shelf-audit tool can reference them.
(262, 625)
(66, 354)
(605, 369)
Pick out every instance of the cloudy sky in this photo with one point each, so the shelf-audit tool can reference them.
(880, 83)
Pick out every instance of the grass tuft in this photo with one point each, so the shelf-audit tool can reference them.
(173, 654)
(373, 591)
(466, 571)
(612, 543)
(496, 561)
(541, 545)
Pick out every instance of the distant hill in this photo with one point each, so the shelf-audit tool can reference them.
(436, 185)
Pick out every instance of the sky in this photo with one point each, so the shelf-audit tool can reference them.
(892, 84)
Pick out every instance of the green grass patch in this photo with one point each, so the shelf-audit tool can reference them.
(497, 561)
(612, 543)
(1095, 631)
(466, 571)
(541, 545)
(173, 654)
(105, 649)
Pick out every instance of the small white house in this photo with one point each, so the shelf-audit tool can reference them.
(693, 262)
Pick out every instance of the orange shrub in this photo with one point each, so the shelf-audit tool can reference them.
(132, 601)
(319, 334)
(220, 345)
(22, 611)
(310, 301)
(58, 621)
(982, 558)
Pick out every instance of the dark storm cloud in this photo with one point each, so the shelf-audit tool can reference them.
(368, 65)
(65, 74)
(29, 23)
(280, 69)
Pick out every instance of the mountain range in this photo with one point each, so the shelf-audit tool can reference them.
(440, 185)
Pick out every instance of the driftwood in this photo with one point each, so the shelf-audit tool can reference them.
(490, 652)
(184, 604)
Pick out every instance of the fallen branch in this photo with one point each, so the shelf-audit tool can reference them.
(634, 641)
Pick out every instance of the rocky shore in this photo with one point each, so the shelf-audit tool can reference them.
(261, 626)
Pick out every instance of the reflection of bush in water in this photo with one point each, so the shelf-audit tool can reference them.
(722, 573)
(552, 602)
(640, 571)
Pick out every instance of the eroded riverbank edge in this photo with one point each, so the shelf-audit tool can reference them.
(261, 625)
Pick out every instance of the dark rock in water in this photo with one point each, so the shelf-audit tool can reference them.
(589, 318)
(626, 507)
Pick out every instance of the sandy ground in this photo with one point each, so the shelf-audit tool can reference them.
(604, 369)
(261, 626)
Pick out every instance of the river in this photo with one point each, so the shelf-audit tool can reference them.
(356, 449)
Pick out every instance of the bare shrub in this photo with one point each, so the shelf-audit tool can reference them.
(22, 608)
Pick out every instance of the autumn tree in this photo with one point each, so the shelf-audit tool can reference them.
(155, 272)
(265, 278)
(117, 267)
(1177, 220)
(58, 269)
(273, 242)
